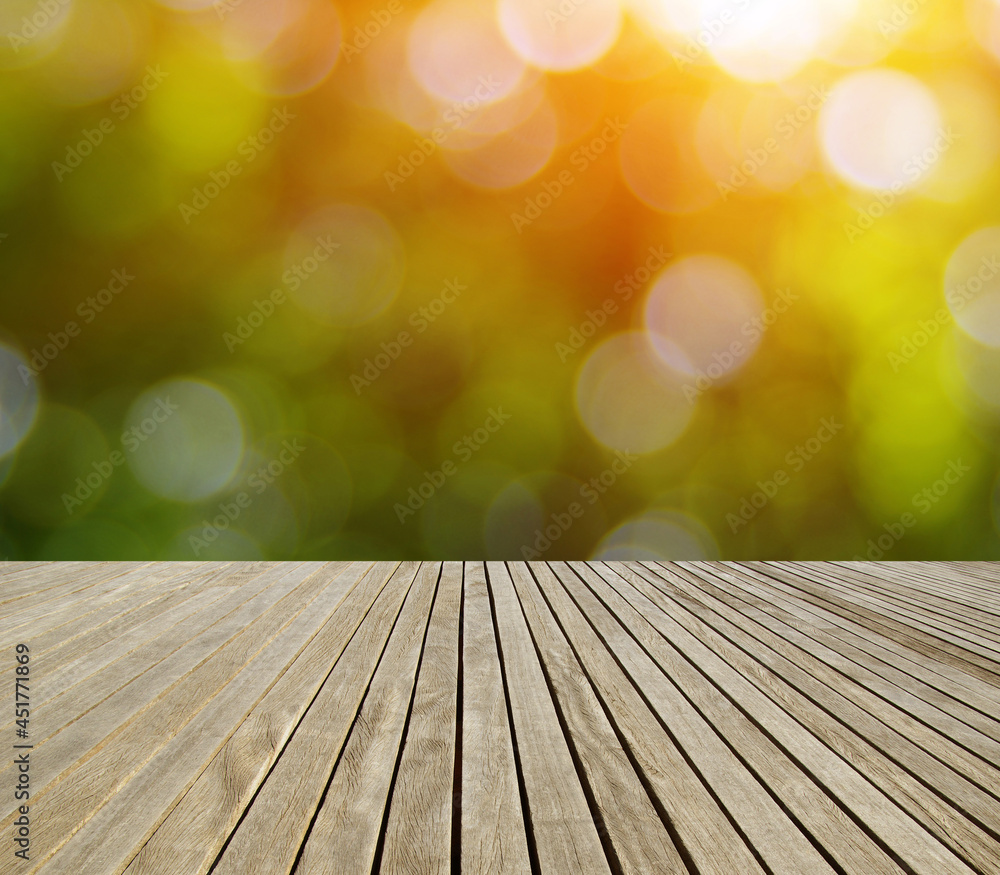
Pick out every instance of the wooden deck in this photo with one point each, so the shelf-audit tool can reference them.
(711, 718)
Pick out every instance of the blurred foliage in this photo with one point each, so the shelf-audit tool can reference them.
(533, 279)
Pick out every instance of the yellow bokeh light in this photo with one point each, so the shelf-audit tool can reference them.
(456, 51)
(699, 314)
(99, 54)
(658, 158)
(345, 264)
(286, 48)
(882, 129)
(560, 34)
(628, 399)
(972, 285)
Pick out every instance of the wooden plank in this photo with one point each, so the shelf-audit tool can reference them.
(14, 572)
(28, 621)
(905, 772)
(562, 825)
(857, 603)
(710, 718)
(973, 728)
(195, 830)
(125, 747)
(778, 840)
(965, 590)
(965, 593)
(906, 634)
(878, 676)
(82, 635)
(48, 585)
(60, 619)
(53, 580)
(345, 834)
(59, 679)
(56, 669)
(985, 570)
(951, 677)
(979, 579)
(268, 839)
(52, 651)
(782, 752)
(976, 620)
(493, 830)
(239, 573)
(703, 829)
(956, 683)
(112, 835)
(419, 831)
(77, 588)
(895, 587)
(108, 699)
(640, 840)
(826, 666)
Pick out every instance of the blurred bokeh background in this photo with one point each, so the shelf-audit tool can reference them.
(515, 279)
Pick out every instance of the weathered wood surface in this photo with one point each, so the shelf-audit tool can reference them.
(431, 718)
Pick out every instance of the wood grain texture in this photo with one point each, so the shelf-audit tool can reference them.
(109, 840)
(973, 730)
(967, 588)
(897, 590)
(127, 747)
(639, 839)
(57, 580)
(906, 773)
(60, 608)
(345, 833)
(802, 650)
(883, 625)
(781, 844)
(271, 833)
(782, 744)
(187, 613)
(960, 689)
(106, 702)
(850, 590)
(620, 718)
(494, 836)
(58, 667)
(193, 833)
(562, 825)
(418, 837)
(704, 830)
